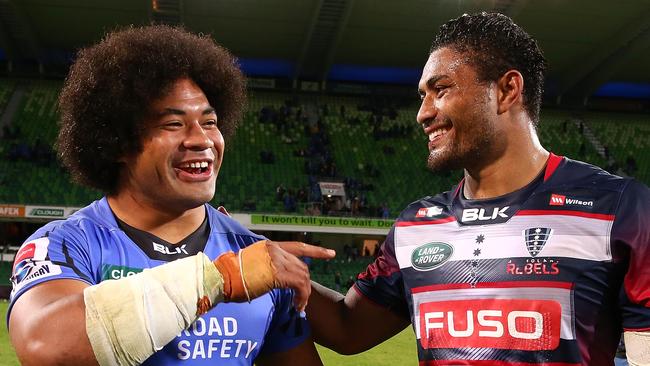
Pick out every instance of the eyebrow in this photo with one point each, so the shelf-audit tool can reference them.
(174, 111)
(431, 81)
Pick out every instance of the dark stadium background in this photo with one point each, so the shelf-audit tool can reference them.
(352, 64)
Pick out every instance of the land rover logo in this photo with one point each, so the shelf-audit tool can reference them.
(431, 256)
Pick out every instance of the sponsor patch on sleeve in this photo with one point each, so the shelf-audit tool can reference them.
(32, 263)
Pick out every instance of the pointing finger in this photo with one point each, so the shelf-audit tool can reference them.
(305, 250)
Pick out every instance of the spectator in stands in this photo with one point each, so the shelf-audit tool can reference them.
(289, 201)
(347, 252)
(301, 195)
(144, 114)
(313, 209)
(249, 205)
(630, 166)
(280, 191)
(42, 153)
(349, 283)
(582, 150)
(267, 157)
(337, 281)
(453, 258)
(385, 211)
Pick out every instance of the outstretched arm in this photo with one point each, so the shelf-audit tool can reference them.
(69, 322)
(352, 323)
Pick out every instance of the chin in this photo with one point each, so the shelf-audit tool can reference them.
(194, 198)
(443, 162)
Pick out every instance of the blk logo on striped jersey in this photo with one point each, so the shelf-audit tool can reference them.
(536, 238)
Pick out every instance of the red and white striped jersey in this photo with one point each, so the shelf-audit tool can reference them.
(547, 275)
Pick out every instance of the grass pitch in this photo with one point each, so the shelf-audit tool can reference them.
(399, 350)
(7, 354)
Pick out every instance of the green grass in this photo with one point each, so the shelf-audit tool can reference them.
(399, 350)
(7, 354)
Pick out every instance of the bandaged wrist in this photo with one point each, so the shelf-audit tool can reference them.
(637, 348)
(247, 274)
(129, 319)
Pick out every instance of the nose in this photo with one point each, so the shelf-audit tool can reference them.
(197, 137)
(427, 112)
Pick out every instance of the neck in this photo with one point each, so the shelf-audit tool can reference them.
(521, 161)
(164, 223)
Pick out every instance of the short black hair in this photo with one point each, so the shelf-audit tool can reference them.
(105, 97)
(494, 44)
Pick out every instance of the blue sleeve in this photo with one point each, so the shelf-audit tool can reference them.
(56, 251)
(287, 328)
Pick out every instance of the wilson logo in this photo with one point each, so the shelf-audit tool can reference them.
(557, 200)
(562, 200)
(530, 325)
(431, 256)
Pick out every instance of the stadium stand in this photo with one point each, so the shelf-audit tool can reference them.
(323, 272)
(6, 88)
(628, 140)
(375, 147)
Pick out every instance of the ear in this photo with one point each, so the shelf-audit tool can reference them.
(510, 88)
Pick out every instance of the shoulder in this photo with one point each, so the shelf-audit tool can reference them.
(579, 174)
(87, 222)
(429, 207)
(224, 224)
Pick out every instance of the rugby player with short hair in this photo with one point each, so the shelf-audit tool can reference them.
(532, 259)
(151, 273)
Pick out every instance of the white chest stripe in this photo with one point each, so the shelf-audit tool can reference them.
(572, 237)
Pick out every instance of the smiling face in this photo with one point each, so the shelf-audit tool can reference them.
(458, 113)
(181, 154)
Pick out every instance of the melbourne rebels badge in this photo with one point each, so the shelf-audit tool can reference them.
(536, 238)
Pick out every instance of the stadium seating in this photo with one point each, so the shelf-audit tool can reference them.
(6, 88)
(386, 158)
(626, 136)
(323, 271)
(5, 272)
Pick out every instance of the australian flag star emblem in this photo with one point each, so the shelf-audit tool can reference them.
(535, 239)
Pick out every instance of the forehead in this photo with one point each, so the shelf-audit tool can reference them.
(446, 62)
(182, 92)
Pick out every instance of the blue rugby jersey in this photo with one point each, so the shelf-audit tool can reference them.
(547, 275)
(91, 247)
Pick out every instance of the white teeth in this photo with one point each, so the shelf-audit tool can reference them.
(436, 133)
(198, 164)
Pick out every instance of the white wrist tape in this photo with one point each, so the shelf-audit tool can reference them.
(129, 319)
(637, 348)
